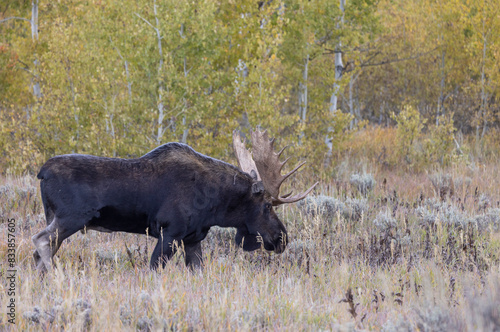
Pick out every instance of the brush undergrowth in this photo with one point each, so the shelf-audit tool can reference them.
(415, 252)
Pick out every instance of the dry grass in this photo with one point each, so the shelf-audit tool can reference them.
(338, 273)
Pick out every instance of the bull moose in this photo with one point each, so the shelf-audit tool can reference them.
(172, 193)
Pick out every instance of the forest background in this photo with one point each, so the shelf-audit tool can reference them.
(412, 83)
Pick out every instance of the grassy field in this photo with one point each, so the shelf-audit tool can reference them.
(372, 249)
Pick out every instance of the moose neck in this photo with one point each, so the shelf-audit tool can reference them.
(236, 197)
(222, 193)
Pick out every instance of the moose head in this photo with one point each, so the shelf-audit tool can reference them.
(262, 225)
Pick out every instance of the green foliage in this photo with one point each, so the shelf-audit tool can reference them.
(439, 146)
(422, 149)
(110, 87)
(409, 127)
(107, 89)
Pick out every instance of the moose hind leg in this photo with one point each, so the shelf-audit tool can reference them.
(47, 242)
(49, 217)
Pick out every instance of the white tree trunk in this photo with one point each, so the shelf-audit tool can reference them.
(34, 20)
(484, 94)
(186, 130)
(37, 91)
(73, 101)
(129, 83)
(339, 66)
(161, 110)
(352, 111)
(127, 73)
(184, 109)
(338, 75)
(110, 127)
(303, 96)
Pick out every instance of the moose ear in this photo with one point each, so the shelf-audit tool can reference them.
(257, 188)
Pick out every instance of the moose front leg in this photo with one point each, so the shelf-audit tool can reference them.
(193, 255)
(164, 250)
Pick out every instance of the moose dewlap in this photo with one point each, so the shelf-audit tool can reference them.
(173, 192)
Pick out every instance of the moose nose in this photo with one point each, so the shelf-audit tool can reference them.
(279, 248)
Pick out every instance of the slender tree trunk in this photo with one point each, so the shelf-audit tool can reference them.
(37, 90)
(73, 100)
(129, 83)
(185, 132)
(34, 20)
(110, 127)
(243, 72)
(186, 73)
(440, 108)
(127, 73)
(484, 94)
(352, 111)
(303, 96)
(338, 75)
(161, 110)
(186, 129)
(339, 66)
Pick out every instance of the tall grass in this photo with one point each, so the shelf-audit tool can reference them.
(389, 268)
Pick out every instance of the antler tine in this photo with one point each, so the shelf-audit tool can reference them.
(281, 151)
(293, 170)
(285, 199)
(272, 141)
(283, 163)
(287, 175)
(264, 135)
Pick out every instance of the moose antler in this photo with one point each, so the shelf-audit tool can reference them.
(244, 157)
(267, 166)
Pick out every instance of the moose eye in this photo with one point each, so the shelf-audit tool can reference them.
(268, 206)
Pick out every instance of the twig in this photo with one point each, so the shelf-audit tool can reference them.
(130, 256)
(14, 18)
